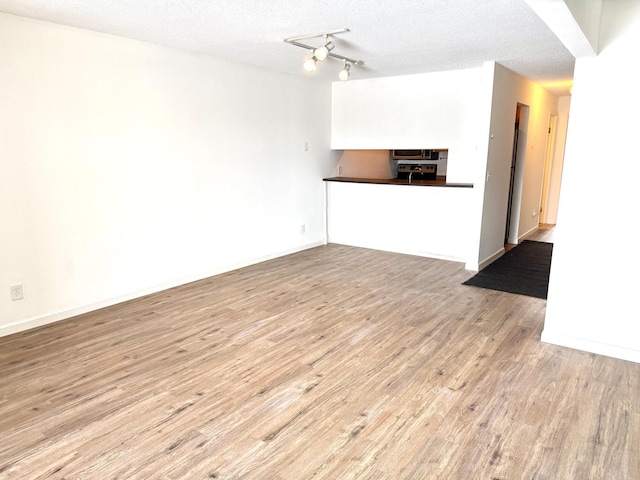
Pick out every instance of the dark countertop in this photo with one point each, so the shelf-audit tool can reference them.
(440, 182)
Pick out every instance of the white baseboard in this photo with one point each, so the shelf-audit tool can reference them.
(614, 351)
(386, 248)
(490, 259)
(526, 234)
(30, 323)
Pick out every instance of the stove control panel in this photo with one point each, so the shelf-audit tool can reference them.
(428, 168)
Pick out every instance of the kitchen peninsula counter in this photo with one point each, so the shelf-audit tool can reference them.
(439, 182)
(394, 216)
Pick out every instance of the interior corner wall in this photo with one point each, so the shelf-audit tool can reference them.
(509, 89)
(129, 167)
(592, 289)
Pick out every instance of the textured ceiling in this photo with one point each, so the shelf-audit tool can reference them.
(392, 37)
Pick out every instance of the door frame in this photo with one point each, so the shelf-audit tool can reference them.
(548, 168)
(521, 122)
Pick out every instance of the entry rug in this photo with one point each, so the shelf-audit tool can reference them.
(524, 270)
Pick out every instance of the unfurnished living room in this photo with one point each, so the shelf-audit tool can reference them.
(239, 239)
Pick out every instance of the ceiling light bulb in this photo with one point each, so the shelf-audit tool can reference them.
(309, 64)
(321, 53)
(344, 73)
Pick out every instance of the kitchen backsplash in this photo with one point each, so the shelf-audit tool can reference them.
(379, 164)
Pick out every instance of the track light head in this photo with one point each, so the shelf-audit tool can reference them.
(309, 64)
(344, 73)
(321, 53)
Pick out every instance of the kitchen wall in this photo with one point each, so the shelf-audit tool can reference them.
(431, 110)
(472, 113)
(593, 287)
(129, 167)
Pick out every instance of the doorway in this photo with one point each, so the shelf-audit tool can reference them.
(546, 179)
(516, 176)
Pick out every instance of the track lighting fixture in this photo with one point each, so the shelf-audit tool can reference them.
(321, 53)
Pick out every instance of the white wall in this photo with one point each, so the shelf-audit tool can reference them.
(593, 285)
(431, 110)
(509, 89)
(129, 167)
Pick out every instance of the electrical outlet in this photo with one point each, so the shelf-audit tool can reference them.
(303, 228)
(16, 292)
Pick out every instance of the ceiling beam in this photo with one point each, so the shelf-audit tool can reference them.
(575, 22)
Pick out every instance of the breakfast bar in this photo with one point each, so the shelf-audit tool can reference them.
(438, 182)
(397, 216)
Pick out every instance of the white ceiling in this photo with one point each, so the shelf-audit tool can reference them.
(392, 37)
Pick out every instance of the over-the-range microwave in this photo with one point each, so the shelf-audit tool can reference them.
(414, 154)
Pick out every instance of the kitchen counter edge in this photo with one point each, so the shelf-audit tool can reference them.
(396, 181)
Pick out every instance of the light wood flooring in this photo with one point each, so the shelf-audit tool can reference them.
(544, 233)
(332, 363)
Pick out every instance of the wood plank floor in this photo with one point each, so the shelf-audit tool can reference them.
(332, 363)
